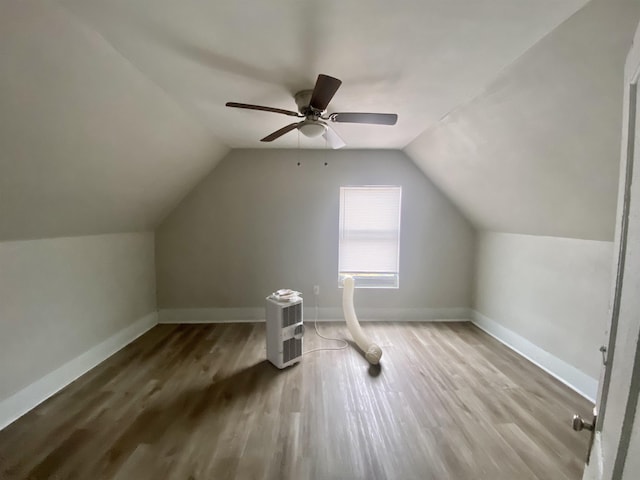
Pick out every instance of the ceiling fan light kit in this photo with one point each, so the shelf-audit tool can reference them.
(312, 129)
(312, 106)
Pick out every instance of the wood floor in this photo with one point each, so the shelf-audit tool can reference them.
(201, 402)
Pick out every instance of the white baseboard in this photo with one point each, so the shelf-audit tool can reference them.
(18, 404)
(236, 315)
(575, 379)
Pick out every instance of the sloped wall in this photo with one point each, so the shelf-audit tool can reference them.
(260, 222)
(538, 152)
(88, 145)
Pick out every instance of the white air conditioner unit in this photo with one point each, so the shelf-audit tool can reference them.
(284, 331)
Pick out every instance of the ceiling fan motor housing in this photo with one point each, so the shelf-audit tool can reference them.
(303, 98)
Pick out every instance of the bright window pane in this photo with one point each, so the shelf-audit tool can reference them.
(369, 235)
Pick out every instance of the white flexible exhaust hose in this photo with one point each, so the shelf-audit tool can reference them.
(372, 352)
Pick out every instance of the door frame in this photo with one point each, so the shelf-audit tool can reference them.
(617, 429)
(630, 102)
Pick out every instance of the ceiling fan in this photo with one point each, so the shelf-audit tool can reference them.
(312, 106)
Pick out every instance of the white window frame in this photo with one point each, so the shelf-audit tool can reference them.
(365, 277)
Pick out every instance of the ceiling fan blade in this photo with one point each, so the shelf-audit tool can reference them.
(372, 118)
(333, 139)
(282, 131)
(326, 87)
(263, 109)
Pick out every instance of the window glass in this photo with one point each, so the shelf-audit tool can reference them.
(369, 235)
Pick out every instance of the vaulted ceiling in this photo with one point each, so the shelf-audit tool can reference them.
(112, 110)
(88, 144)
(537, 152)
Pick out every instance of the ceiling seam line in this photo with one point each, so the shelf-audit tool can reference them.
(498, 74)
(188, 111)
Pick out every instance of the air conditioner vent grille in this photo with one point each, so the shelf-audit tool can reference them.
(291, 348)
(291, 315)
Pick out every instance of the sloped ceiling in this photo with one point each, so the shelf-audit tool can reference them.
(87, 143)
(112, 110)
(538, 151)
(417, 58)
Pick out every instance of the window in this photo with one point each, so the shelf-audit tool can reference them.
(369, 235)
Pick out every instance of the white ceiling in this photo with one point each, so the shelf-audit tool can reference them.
(112, 110)
(419, 59)
(87, 143)
(538, 151)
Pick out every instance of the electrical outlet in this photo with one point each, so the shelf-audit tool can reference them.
(316, 289)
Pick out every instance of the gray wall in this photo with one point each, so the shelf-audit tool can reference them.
(89, 143)
(544, 138)
(60, 297)
(552, 291)
(260, 222)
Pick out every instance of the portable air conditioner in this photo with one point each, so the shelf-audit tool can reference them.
(284, 331)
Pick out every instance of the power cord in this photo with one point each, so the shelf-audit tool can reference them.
(315, 325)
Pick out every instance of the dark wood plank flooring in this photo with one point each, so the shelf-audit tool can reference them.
(201, 402)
